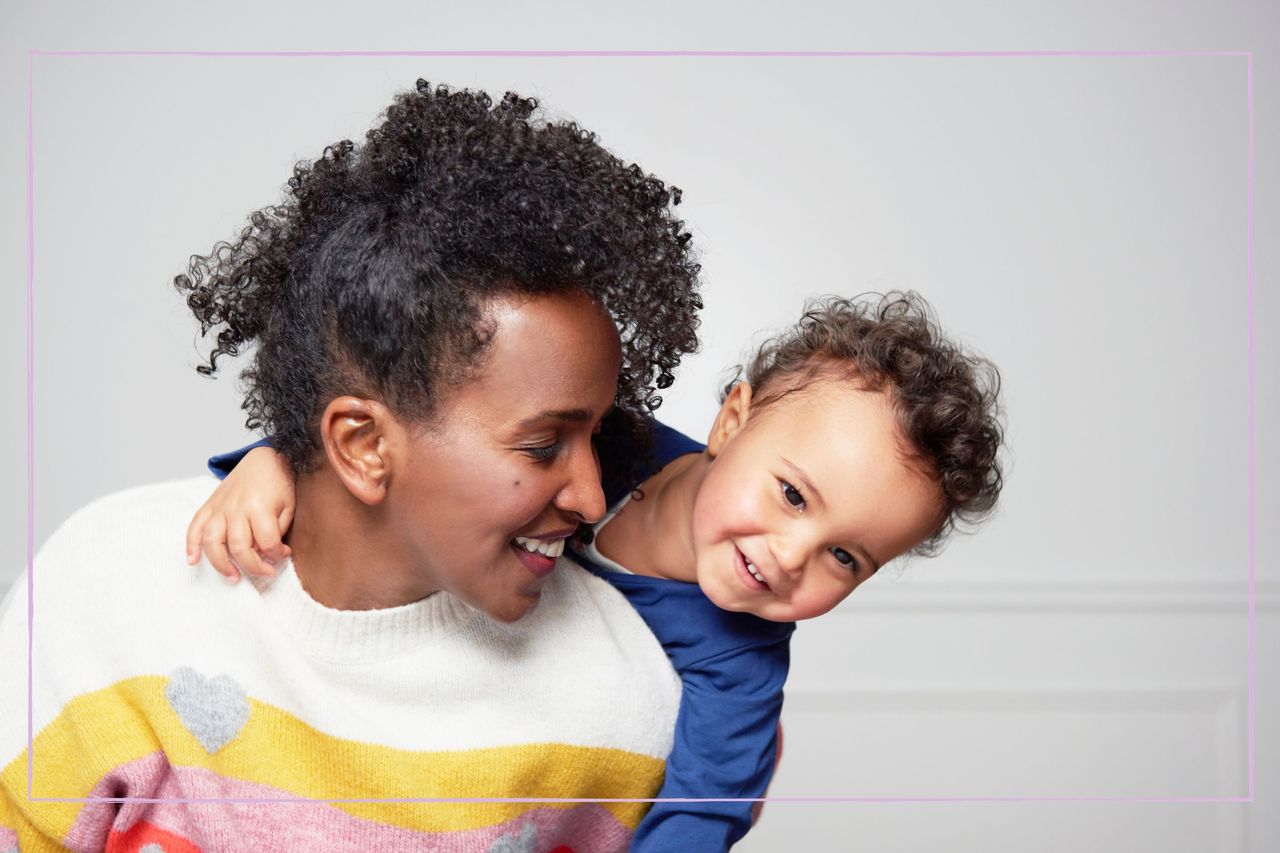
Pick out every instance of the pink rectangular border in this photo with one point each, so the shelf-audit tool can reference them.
(1249, 337)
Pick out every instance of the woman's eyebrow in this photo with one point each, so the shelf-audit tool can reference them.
(573, 416)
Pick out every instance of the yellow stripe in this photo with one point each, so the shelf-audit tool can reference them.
(31, 837)
(97, 732)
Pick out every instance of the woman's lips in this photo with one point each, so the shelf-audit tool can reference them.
(538, 553)
(539, 564)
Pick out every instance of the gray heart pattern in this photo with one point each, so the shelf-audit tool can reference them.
(212, 709)
(522, 843)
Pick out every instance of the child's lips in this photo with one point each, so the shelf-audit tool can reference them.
(744, 573)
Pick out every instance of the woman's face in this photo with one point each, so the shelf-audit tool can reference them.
(488, 491)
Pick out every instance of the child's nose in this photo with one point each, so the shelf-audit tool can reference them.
(790, 555)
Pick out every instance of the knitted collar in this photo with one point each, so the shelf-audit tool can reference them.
(358, 635)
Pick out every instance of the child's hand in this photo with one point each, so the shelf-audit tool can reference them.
(241, 525)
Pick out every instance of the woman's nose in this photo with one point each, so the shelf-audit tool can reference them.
(582, 493)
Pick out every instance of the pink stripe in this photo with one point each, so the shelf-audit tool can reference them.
(235, 825)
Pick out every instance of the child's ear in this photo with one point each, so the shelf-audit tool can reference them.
(732, 417)
(355, 437)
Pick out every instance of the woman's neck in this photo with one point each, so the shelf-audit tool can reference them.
(654, 534)
(341, 552)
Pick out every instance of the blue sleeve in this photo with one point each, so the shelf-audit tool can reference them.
(222, 463)
(725, 747)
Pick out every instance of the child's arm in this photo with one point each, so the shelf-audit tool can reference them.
(726, 746)
(242, 524)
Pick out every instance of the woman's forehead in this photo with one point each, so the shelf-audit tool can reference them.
(556, 352)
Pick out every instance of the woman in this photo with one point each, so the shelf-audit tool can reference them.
(443, 317)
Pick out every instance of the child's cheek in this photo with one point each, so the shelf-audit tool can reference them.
(752, 509)
(721, 510)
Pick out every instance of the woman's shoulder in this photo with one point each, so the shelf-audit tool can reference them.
(121, 543)
(139, 503)
(138, 519)
(577, 601)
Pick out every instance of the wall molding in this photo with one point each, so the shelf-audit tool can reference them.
(1138, 595)
(1219, 706)
(1224, 701)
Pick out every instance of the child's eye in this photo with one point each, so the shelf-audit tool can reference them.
(545, 453)
(844, 558)
(792, 495)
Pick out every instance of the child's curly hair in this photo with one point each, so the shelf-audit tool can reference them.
(371, 276)
(945, 399)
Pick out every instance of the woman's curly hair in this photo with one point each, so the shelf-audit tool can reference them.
(945, 399)
(371, 276)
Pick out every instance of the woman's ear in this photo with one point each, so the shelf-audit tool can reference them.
(732, 417)
(355, 434)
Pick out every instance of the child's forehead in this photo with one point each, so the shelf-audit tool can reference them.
(815, 373)
(845, 443)
(838, 417)
(831, 397)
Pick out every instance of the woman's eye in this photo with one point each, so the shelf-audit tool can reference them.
(844, 558)
(792, 495)
(545, 453)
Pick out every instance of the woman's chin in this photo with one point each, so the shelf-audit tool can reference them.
(513, 611)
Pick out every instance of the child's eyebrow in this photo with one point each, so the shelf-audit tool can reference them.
(804, 480)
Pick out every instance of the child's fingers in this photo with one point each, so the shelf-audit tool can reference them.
(214, 542)
(240, 544)
(266, 538)
(285, 519)
(195, 530)
(215, 551)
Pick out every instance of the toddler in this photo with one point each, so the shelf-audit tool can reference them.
(859, 435)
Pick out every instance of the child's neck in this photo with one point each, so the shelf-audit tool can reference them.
(654, 535)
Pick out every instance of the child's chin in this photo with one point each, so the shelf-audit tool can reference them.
(719, 597)
(767, 610)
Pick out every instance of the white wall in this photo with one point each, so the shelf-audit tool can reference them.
(1080, 220)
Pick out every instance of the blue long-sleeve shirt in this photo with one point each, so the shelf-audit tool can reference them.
(732, 667)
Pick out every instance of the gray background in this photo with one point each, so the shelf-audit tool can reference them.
(1080, 220)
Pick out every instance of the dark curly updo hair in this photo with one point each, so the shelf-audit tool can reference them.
(945, 399)
(371, 277)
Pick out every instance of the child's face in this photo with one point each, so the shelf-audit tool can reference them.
(812, 493)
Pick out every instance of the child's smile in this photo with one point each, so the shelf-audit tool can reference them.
(753, 578)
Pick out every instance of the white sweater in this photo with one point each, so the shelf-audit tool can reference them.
(152, 679)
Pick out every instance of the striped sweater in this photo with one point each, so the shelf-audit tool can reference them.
(257, 719)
